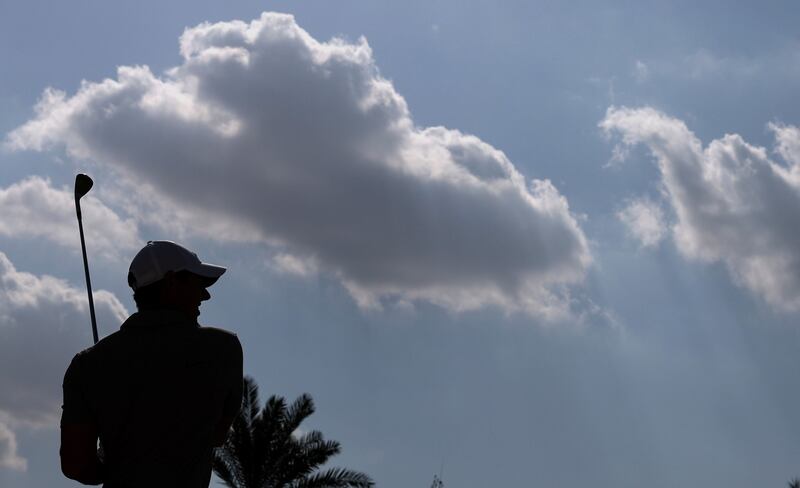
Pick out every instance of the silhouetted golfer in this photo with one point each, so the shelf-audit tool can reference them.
(161, 391)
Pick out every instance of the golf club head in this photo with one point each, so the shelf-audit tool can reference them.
(82, 185)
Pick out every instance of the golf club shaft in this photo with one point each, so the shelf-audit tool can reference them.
(86, 270)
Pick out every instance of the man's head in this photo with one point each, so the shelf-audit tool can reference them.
(166, 275)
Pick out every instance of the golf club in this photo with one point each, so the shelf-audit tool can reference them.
(82, 186)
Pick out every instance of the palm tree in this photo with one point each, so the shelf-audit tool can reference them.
(263, 449)
(795, 483)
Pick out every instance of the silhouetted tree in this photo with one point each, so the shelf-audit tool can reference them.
(263, 449)
(795, 483)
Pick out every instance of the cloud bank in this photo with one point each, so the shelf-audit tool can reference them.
(306, 142)
(732, 202)
(33, 208)
(43, 322)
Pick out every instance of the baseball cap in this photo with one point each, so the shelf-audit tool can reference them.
(158, 258)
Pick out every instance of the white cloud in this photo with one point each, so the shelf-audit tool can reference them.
(33, 208)
(287, 263)
(644, 220)
(787, 143)
(9, 458)
(733, 204)
(44, 322)
(304, 144)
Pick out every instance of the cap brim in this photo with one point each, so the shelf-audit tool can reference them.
(209, 272)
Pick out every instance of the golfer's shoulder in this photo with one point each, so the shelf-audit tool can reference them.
(220, 337)
(78, 363)
(83, 362)
(100, 348)
(109, 344)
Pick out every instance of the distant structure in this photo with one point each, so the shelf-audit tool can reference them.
(437, 482)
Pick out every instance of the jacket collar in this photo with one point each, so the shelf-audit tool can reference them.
(158, 318)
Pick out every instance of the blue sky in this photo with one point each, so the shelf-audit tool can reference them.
(528, 244)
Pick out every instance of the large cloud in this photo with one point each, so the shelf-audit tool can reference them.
(33, 208)
(307, 143)
(43, 322)
(732, 202)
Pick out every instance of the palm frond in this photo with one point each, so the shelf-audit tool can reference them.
(318, 452)
(273, 416)
(261, 450)
(239, 445)
(305, 458)
(250, 402)
(275, 408)
(300, 410)
(290, 419)
(310, 437)
(336, 478)
(228, 469)
(267, 435)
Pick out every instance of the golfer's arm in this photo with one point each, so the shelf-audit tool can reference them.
(79, 454)
(233, 402)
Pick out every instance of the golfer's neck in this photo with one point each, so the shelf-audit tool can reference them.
(191, 314)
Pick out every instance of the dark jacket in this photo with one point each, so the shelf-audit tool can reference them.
(156, 389)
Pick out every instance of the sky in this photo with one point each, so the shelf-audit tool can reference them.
(510, 244)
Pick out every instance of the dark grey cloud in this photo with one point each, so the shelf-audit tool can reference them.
(732, 202)
(307, 143)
